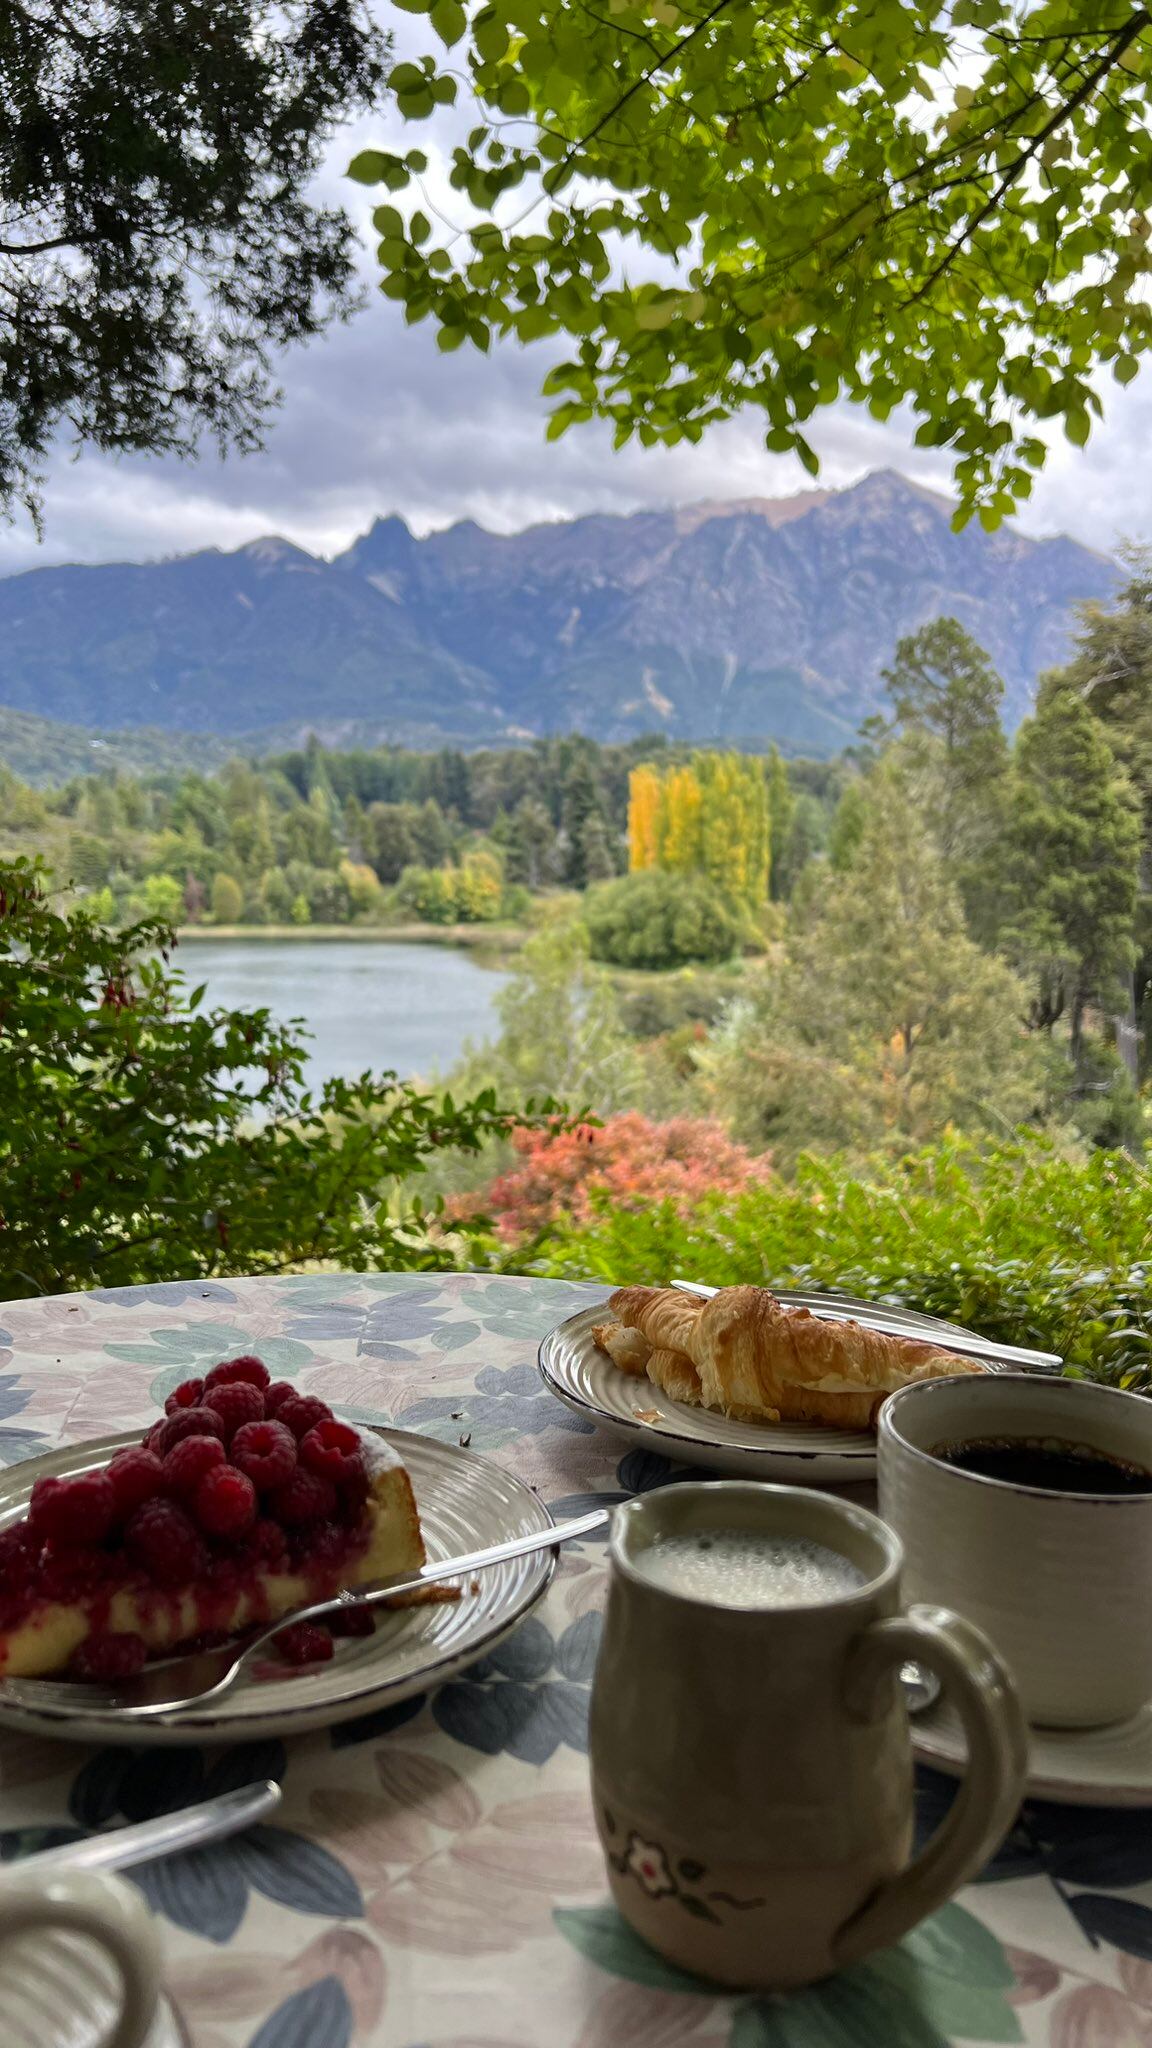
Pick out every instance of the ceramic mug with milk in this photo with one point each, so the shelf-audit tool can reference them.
(751, 1763)
(79, 1961)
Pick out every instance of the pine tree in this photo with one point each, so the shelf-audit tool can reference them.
(1073, 847)
(946, 699)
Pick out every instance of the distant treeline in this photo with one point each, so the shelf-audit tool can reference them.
(322, 836)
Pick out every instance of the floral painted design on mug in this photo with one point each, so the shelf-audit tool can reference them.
(653, 1871)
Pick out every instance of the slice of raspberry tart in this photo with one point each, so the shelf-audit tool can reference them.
(245, 1500)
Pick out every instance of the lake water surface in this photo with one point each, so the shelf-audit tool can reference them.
(367, 1004)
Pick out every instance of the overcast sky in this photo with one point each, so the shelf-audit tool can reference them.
(375, 420)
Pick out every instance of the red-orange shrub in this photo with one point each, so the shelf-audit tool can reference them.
(630, 1159)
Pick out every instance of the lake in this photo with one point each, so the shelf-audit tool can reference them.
(366, 1004)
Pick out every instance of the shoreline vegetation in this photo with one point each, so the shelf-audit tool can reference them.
(487, 938)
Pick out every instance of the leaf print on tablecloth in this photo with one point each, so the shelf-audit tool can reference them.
(1123, 1922)
(346, 1734)
(644, 2017)
(1092, 1845)
(507, 1702)
(293, 1871)
(487, 1888)
(1095, 2016)
(163, 1293)
(1036, 1976)
(604, 1936)
(356, 1962)
(318, 2017)
(202, 1890)
(418, 1795)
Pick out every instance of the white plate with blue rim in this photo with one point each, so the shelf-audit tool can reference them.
(584, 1378)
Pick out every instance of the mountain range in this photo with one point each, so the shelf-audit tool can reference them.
(748, 620)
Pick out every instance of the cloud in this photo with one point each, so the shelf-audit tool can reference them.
(375, 420)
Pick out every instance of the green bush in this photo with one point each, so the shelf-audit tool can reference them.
(1017, 1242)
(144, 1138)
(659, 920)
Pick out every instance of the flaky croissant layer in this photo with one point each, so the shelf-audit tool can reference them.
(743, 1353)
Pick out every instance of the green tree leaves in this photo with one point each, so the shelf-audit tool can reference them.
(734, 213)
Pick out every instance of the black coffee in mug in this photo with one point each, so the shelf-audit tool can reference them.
(1047, 1462)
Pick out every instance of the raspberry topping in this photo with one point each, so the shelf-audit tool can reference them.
(267, 1544)
(186, 1395)
(247, 1371)
(303, 1498)
(69, 1570)
(225, 1503)
(236, 1405)
(165, 1543)
(302, 1413)
(304, 1642)
(276, 1395)
(353, 1621)
(266, 1451)
(325, 1543)
(136, 1475)
(80, 1510)
(186, 1465)
(109, 1656)
(187, 1422)
(333, 1450)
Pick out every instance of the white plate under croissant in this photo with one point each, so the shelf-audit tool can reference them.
(748, 1383)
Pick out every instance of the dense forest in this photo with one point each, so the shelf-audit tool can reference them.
(940, 930)
(317, 837)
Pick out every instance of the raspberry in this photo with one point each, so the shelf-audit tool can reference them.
(109, 1656)
(325, 1543)
(136, 1475)
(193, 1456)
(266, 1451)
(236, 1405)
(333, 1450)
(267, 1544)
(303, 1498)
(276, 1395)
(19, 1550)
(161, 1538)
(304, 1642)
(302, 1413)
(247, 1371)
(186, 1395)
(353, 1621)
(225, 1503)
(79, 1510)
(68, 1570)
(189, 1422)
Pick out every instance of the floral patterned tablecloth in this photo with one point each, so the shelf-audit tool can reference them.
(432, 1879)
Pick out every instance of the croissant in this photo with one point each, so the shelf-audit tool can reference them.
(757, 1360)
(630, 1350)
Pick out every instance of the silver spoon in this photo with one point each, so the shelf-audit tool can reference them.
(203, 1676)
(210, 1820)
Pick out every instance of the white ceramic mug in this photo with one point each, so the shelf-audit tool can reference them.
(1060, 1582)
(79, 1961)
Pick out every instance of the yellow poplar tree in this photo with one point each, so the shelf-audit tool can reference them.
(644, 805)
(709, 817)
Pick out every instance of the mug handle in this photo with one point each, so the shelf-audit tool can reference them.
(979, 1685)
(110, 1914)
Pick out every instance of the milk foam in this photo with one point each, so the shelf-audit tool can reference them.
(746, 1568)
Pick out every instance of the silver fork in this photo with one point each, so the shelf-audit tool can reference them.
(202, 1677)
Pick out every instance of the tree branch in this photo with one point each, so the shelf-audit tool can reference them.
(1120, 42)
